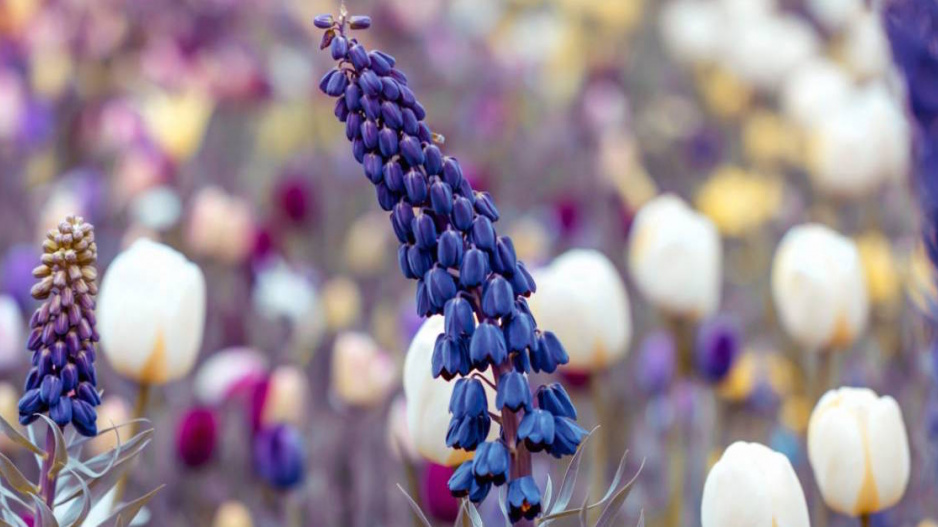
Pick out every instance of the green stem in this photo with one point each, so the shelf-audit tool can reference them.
(143, 399)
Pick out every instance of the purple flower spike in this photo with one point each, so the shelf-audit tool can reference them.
(63, 333)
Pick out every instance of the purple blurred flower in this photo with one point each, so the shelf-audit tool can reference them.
(279, 457)
(718, 344)
(656, 363)
(439, 503)
(197, 436)
(16, 277)
(295, 199)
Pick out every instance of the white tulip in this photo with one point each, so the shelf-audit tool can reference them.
(286, 398)
(12, 343)
(866, 47)
(753, 486)
(280, 291)
(582, 299)
(859, 450)
(819, 287)
(675, 257)
(428, 399)
(692, 31)
(751, 49)
(151, 313)
(814, 90)
(362, 373)
(864, 143)
(835, 14)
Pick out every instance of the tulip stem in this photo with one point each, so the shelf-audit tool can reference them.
(601, 440)
(865, 520)
(48, 481)
(143, 399)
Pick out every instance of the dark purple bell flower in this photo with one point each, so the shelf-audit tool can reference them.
(490, 464)
(279, 458)
(524, 499)
(197, 436)
(537, 430)
(718, 344)
(513, 392)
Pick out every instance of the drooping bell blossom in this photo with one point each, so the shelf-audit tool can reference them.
(859, 451)
(362, 373)
(583, 298)
(233, 514)
(444, 228)
(220, 226)
(63, 381)
(279, 457)
(753, 485)
(113, 411)
(152, 313)
(227, 373)
(717, 345)
(819, 287)
(11, 333)
(676, 258)
(197, 436)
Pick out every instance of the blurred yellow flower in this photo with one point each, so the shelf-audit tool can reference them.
(758, 368)
(795, 413)
(724, 94)
(920, 284)
(177, 121)
(284, 128)
(614, 17)
(232, 514)
(739, 202)
(51, 72)
(741, 380)
(14, 14)
(769, 139)
(342, 300)
(879, 266)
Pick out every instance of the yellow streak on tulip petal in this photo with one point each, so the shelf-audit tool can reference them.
(842, 335)
(601, 355)
(868, 499)
(154, 370)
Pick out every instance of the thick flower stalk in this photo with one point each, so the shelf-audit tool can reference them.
(464, 270)
(62, 381)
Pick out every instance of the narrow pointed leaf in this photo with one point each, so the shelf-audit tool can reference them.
(128, 511)
(79, 510)
(416, 508)
(548, 491)
(614, 506)
(14, 435)
(569, 477)
(583, 512)
(45, 516)
(15, 478)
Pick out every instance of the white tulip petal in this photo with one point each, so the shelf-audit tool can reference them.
(888, 440)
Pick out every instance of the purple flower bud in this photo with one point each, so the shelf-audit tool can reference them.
(387, 141)
(425, 231)
(69, 378)
(34, 342)
(441, 286)
(353, 126)
(372, 107)
(497, 297)
(486, 206)
(341, 109)
(391, 113)
(403, 263)
(519, 332)
(61, 324)
(419, 111)
(393, 176)
(370, 83)
(450, 358)
(547, 353)
(420, 261)
(359, 22)
(415, 184)
(434, 160)
(483, 233)
(370, 134)
(339, 48)
(48, 334)
(554, 399)
(474, 269)
(452, 173)
(408, 98)
(84, 418)
(388, 58)
(50, 389)
(353, 97)
(398, 76)
(718, 343)
(386, 199)
(490, 463)
(61, 412)
(72, 342)
(462, 214)
(410, 124)
(450, 249)
(337, 84)
(379, 64)
(197, 436)
(359, 57)
(424, 308)
(86, 392)
(390, 89)
(32, 380)
(504, 259)
(459, 318)
(524, 499)
(59, 354)
(536, 430)
(327, 78)
(522, 283)
(402, 218)
(279, 458)
(513, 392)
(441, 198)
(327, 39)
(323, 21)
(30, 403)
(358, 149)
(373, 168)
(423, 131)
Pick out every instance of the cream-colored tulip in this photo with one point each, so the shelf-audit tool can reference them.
(835, 14)
(9, 398)
(11, 334)
(690, 30)
(151, 313)
(581, 298)
(232, 514)
(859, 450)
(221, 226)
(675, 257)
(362, 373)
(753, 486)
(113, 412)
(286, 398)
(815, 90)
(368, 244)
(281, 291)
(428, 399)
(819, 287)
(342, 302)
(752, 53)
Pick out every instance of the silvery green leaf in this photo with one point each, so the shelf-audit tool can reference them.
(548, 492)
(583, 511)
(97, 466)
(474, 516)
(81, 440)
(502, 499)
(60, 455)
(614, 506)
(641, 519)
(468, 512)
(618, 477)
(416, 508)
(79, 510)
(7, 494)
(16, 479)
(14, 435)
(100, 486)
(45, 516)
(125, 514)
(569, 478)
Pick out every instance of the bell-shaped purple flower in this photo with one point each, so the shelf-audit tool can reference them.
(487, 346)
(524, 499)
(513, 392)
(537, 430)
(279, 458)
(554, 399)
(491, 463)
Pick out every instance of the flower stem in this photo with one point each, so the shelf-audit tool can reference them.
(865, 520)
(520, 457)
(143, 399)
(48, 481)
